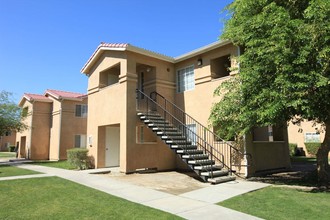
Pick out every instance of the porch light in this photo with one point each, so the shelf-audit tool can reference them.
(199, 62)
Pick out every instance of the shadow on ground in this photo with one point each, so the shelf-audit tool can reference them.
(301, 175)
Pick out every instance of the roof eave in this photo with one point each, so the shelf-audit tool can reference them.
(202, 50)
(150, 53)
(97, 54)
(22, 101)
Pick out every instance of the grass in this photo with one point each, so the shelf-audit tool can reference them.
(302, 159)
(282, 203)
(7, 154)
(63, 164)
(7, 170)
(56, 198)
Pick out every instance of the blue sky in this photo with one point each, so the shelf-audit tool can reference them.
(45, 43)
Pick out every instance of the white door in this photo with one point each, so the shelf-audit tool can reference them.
(112, 146)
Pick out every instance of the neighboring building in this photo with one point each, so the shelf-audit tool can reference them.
(8, 139)
(69, 122)
(118, 137)
(305, 132)
(56, 122)
(34, 142)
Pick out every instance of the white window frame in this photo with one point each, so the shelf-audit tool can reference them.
(82, 141)
(185, 79)
(82, 113)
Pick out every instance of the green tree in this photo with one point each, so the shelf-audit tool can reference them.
(10, 114)
(284, 68)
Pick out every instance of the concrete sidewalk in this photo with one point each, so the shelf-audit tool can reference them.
(196, 204)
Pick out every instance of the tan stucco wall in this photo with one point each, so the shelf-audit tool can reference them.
(297, 133)
(65, 126)
(40, 131)
(268, 156)
(71, 126)
(7, 140)
(37, 135)
(198, 102)
(55, 130)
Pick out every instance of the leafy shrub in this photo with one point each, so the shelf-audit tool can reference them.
(78, 158)
(11, 148)
(312, 147)
(292, 149)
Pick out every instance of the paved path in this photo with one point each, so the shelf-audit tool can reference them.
(196, 204)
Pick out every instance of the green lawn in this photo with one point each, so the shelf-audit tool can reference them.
(63, 164)
(282, 203)
(7, 170)
(303, 159)
(56, 198)
(7, 154)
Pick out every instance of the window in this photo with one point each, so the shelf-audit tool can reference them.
(8, 133)
(185, 79)
(312, 137)
(80, 141)
(81, 111)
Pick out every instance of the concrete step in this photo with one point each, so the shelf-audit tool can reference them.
(190, 151)
(160, 126)
(208, 167)
(195, 156)
(179, 142)
(167, 137)
(221, 179)
(171, 129)
(152, 117)
(170, 133)
(201, 162)
(149, 114)
(216, 173)
(183, 147)
(161, 123)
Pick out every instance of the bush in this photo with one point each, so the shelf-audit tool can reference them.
(11, 148)
(292, 149)
(312, 147)
(78, 158)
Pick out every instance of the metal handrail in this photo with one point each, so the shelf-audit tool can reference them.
(207, 133)
(206, 147)
(175, 118)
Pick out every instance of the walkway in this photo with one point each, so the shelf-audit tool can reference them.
(196, 204)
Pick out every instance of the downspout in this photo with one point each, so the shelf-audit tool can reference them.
(244, 136)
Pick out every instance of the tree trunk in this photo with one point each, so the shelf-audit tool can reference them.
(323, 168)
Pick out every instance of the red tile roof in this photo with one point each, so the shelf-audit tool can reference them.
(63, 94)
(35, 97)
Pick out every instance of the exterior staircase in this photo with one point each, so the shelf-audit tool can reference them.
(198, 160)
(210, 157)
